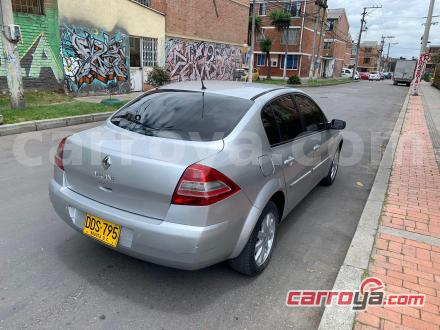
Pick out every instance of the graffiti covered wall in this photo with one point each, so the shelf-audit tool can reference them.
(193, 60)
(38, 50)
(94, 60)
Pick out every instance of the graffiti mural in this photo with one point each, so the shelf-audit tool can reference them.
(42, 68)
(193, 60)
(94, 60)
(39, 65)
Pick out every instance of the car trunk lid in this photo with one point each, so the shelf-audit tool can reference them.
(130, 171)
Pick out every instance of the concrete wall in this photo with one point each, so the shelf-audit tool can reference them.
(39, 49)
(95, 42)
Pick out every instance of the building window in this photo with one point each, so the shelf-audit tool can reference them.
(330, 26)
(368, 49)
(367, 60)
(292, 62)
(292, 38)
(327, 44)
(294, 8)
(149, 51)
(251, 9)
(146, 3)
(261, 59)
(28, 6)
(262, 9)
(135, 52)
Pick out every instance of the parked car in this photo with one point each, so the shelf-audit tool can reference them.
(255, 75)
(164, 179)
(382, 76)
(374, 76)
(364, 76)
(387, 75)
(348, 73)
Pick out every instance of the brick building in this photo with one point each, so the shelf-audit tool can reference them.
(434, 50)
(204, 38)
(336, 40)
(368, 56)
(299, 40)
(41, 65)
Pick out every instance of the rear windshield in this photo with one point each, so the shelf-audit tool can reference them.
(183, 115)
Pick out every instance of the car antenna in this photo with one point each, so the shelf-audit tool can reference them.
(203, 85)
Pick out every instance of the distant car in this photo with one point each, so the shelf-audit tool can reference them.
(364, 76)
(387, 75)
(374, 76)
(348, 73)
(255, 75)
(382, 76)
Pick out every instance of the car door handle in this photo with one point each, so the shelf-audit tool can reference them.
(289, 161)
(316, 147)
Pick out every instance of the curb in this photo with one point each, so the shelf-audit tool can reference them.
(357, 258)
(39, 125)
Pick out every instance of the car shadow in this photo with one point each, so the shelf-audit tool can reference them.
(143, 283)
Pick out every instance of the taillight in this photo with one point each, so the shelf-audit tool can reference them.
(202, 185)
(60, 154)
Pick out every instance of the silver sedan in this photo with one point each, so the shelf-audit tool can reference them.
(187, 176)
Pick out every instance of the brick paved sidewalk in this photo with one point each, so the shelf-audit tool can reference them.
(406, 254)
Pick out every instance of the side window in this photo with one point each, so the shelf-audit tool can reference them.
(270, 125)
(281, 120)
(312, 116)
(287, 117)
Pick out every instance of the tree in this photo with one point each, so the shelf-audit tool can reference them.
(281, 20)
(266, 47)
(257, 27)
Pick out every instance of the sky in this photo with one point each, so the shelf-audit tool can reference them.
(400, 18)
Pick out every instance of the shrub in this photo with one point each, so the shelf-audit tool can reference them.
(294, 80)
(158, 77)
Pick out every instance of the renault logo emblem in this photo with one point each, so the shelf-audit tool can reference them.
(106, 162)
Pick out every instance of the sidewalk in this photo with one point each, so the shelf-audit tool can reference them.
(99, 98)
(406, 253)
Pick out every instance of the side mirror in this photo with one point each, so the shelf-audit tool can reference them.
(337, 124)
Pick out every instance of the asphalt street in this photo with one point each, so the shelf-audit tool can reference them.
(53, 277)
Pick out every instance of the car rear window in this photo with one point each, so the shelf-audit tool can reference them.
(183, 115)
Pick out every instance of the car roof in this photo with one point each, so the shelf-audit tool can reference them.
(239, 89)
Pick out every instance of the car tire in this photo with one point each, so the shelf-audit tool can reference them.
(333, 171)
(264, 233)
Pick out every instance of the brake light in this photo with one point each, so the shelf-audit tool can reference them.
(202, 185)
(60, 154)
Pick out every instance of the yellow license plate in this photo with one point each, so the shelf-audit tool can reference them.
(102, 230)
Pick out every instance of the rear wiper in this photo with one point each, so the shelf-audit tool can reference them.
(129, 117)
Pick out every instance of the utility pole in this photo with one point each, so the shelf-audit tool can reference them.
(427, 27)
(324, 6)
(388, 54)
(358, 46)
(11, 56)
(251, 60)
(422, 58)
(382, 45)
(319, 4)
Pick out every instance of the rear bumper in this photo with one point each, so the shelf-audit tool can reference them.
(165, 243)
